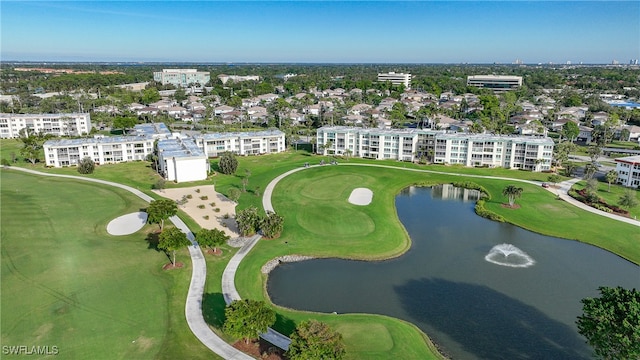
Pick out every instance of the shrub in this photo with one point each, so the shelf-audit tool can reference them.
(212, 204)
(206, 217)
(5, 162)
(482, 211)
(198, 190)
(86, 166)
(216, 209)
(189, 196)
(226, 216)
(204, 197)
(200, 206)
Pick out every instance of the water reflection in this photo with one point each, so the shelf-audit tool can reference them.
(450, 192)
(472, 308)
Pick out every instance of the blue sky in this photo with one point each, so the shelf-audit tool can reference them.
(321, 31)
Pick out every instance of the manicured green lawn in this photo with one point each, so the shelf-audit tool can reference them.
(320, 222)
(612, 196)
(66, 282)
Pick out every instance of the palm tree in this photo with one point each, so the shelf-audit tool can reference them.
(611, 176)
(512, 192)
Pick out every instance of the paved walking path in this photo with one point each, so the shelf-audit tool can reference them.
(193, 306)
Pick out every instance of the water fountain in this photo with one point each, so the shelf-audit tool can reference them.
(509, 255)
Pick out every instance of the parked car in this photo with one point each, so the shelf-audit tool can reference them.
(545, 185)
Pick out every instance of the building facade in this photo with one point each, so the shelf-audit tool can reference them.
(495, 82)
(628, 169)
(101, 149)
(511, 152)
(75, 124)
(242, 143)
(180, 160)
(396, 78)
(182, 77)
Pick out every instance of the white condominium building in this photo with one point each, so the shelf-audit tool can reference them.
(181, 160)
(101, 149)
(396, 79)
(181, 77)
(242, 143)
(511, 152)
(75, 124)
(495, 82)
(105, 149)
(628, 169)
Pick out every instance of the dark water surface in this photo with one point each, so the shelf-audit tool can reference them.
(472, 308)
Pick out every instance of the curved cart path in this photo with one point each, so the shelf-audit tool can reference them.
(193, 306)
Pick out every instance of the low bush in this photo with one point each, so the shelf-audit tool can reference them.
(204, 197)
(200, 206)
(482, 211)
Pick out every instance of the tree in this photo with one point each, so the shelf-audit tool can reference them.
(124, 123)
(228, 163)
(628, 199)
(561, 152)
(590, 170)
(554, 178)
(315, 340)
(248, 220)
(180, 95)
(570, 131)
(32, 144)
(512, 192)
(611, 176)
(272, 225)
(234, 194)
(171, 240)
(211, 238)
(150, 95)
(160, 210)
(245, 182)
(247, 319)
(569, 168)
(160, 184)
(86, 165)
(611, 323)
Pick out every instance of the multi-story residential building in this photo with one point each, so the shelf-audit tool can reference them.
(75, 124)
(628, 169)
(242, 143)
(511, 152)
(181, 77)
(180, 159)
(105, 149)
(495, 82)
(396, 78)
(101, 149)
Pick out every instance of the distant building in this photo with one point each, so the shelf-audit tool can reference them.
(237, 78)
(74, 124)
(181, 77)
(628, 169)
(396, 79)
(495, 82)
(242, 143)
(510, 152)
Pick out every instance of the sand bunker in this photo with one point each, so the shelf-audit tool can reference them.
(361, 196)
(207, 207)
(127, 224)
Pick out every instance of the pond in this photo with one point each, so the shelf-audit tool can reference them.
(479, 289)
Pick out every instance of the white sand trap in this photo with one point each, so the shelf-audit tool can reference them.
(127, 224)
(361, 196)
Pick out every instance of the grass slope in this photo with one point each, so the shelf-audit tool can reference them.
(66, 282)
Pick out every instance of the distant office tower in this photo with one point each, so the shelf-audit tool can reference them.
(181, 77)
(495, 82)
(633, 62)
(396, 79)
